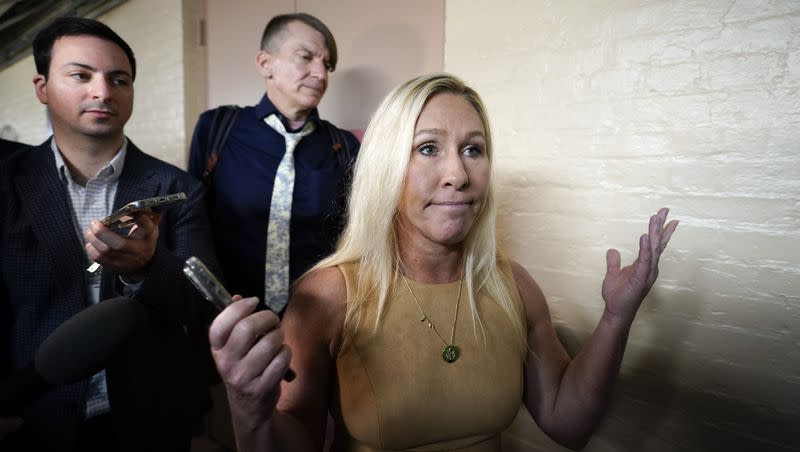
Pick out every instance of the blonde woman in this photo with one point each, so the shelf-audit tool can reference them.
(417, 333)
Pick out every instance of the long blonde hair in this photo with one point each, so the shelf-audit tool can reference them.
(370, 237)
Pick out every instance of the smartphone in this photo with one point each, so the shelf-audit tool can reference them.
(213, 291)
(123, 218)
(121, 221)
(206, 283)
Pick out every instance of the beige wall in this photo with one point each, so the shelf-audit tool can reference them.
(158, 124)
(22, 118)
(381, 44)
(605, 111)
(195, 87)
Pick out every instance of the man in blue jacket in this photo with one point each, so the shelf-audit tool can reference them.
(268, 232)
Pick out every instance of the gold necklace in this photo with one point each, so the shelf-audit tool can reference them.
(450, 352)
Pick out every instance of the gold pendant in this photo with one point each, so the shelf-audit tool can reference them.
(450, 353)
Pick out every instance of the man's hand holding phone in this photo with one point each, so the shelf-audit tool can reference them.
(135, 234)
(129, 254)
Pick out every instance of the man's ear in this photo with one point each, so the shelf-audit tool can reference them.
(264, 64)
(40, 86)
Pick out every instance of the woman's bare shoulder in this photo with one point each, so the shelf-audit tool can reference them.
(322, 285)
(318, 304)
(531, 294)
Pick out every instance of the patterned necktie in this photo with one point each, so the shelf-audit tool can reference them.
(276, 268)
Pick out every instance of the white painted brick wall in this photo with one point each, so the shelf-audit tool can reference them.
(605, 111)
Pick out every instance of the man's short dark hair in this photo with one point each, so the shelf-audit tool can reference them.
(278, 24)
(74, 26)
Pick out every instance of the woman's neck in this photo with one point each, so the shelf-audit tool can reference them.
(432, 266)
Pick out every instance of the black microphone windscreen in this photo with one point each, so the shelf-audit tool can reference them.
(22, 386)
(81, 346)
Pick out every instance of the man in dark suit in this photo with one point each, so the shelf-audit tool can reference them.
(153, 393)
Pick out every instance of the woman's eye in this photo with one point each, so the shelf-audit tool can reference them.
(473, 151)
(427, 149)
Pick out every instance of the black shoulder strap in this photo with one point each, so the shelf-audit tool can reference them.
(344, 155)
(340, 144)
(221, 125)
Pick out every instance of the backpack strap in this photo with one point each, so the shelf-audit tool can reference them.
(344, 154)
(341, 146)
(221, 125)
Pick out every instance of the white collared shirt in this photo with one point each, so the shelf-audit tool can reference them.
(92, 201)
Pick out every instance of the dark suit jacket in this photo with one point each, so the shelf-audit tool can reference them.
(7, 148)
(156, 385)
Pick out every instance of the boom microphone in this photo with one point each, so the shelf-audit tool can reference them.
(77, 349)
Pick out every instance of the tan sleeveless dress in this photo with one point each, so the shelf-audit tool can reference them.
(396, 393)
